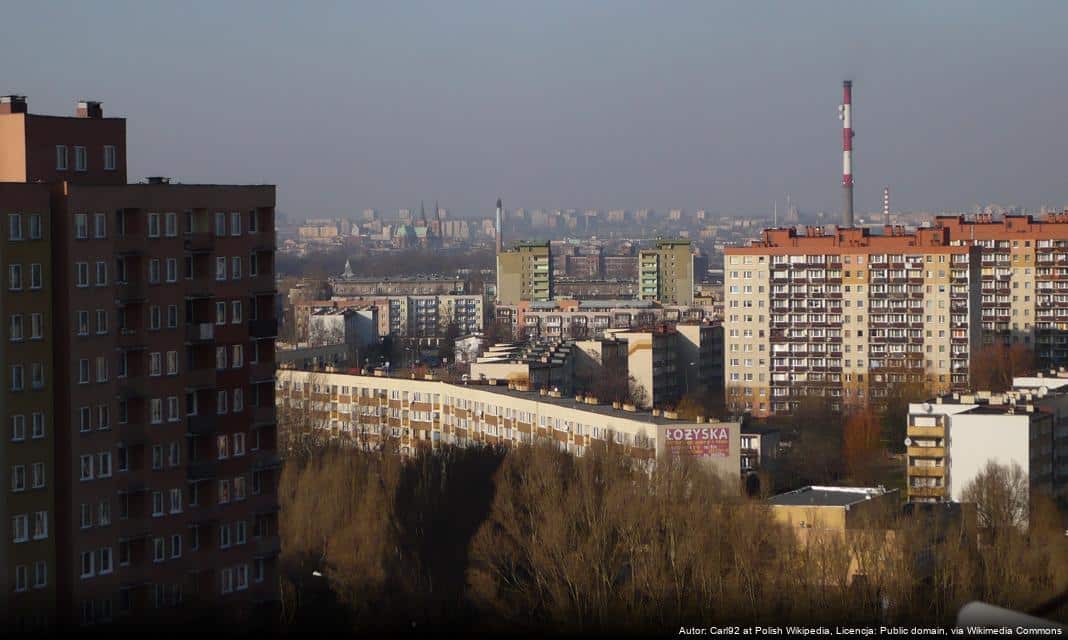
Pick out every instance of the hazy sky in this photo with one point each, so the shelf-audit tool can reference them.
(718, 105)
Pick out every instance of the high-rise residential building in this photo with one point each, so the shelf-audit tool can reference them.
(525, 273)
(27, 451)
(145, 370)
(665, 273)
(1024, 263)
(846, 316)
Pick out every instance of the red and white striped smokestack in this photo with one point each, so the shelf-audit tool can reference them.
(845, 112)
(498, 227)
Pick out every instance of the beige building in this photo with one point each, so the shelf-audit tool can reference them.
(846, 315)
(371, 411)
(525, 273)
(665, 273)
(652, 360)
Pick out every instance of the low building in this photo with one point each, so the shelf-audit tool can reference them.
(759, 457)
(466, 349)
(952, 438)
(541, 365)
(350, 285)
(333, 355)
(412, 415)
(653, 362)
(353, 326)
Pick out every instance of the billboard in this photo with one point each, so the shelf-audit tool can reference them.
(699, 442)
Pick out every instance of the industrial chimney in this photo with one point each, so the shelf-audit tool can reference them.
(845, 112)
(886, 205)
(498, 229)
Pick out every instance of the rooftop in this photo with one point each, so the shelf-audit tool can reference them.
(827, 496)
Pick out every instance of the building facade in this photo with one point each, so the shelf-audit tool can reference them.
(845, 316)
(665, 272)
(159, 436)
(525, 273)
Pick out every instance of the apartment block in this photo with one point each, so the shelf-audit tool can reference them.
(665, 273)
(148, 318)
(350, 285)
(525, 273)
(426, 318)
(27, 455)
(952, 438)
(580, 319)
(846, 315)
(413, 415)
(653, 361)
(1023, 279)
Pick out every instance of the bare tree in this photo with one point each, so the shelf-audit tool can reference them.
(1000, 495)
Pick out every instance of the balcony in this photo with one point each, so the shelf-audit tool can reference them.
(266, 460)
(265, 241)
(200, 243)
(200, 378)
(268, 547)
(132, 388)
(927, 472)
(132, 434)
(927, 492)
(926, 452)
(200, 425)
(130, 245)
(130, 292)
(260, 372)
(262, 285)
(201, 470)
(266, 328)
(203, 332)
(263, 416)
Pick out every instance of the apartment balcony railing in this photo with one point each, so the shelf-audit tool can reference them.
(200, 425)
(201, 470)
(200, 332)
(200, 243)
(265, 328)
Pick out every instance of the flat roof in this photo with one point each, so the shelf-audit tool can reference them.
(827, 496)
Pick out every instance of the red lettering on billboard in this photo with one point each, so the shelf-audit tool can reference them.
(700, 442)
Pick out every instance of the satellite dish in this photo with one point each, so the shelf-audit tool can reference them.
(927, 407)
(908, 442)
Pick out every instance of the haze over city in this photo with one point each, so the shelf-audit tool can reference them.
(723, 106)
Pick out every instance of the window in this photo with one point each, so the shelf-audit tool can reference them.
(238, 359)
(153, 270)
(103, 516)
(87, 564)
(104, 561)
(36, 326)
(84, 419)
(100, 225)
(18, 477)
(241, 577)
(153, 225)
(154, 317)
(38, 475)
(14, 276)
(83, 371)
(240, 532)
(82, 322)
(87, 515)
(227, 581)
(101, 369)
(40, 525)
(172, 409)
(14, 226)
(37, 378)
(35, 226)
(176, 545)
(157, 457)
(109, 157)
(174, 454)
(18, 428)
(224, 492)
(103, 417)
(170, 224)
(18, 382)
(40, 574)
(239, 400)
(220, 268)
(220, 223)
(157, 503)
(156, 410)
(21, 578)
(253, 265)
(155, 366)
(81, 276)
(223, 444)
(172, 316)
(80, 160)
(176, 500)
(14, 331)
(235, 223)
(235, 267)
(20, 528)
(253, 222)
(220, 312)
(61, 157)
(240, 489)
(172, 363)
(103, 464)
(239, 444)
(36, 277)
(37, 426)
(235, 311)
(159, 550)
(101, 322)
(224, 536)
(220, 399)
(172, 270)
(81, 226)
(220, 357)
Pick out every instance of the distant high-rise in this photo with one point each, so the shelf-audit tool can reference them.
(525, 273)
(665, 273)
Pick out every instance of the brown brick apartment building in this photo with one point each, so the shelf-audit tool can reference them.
(160, 325)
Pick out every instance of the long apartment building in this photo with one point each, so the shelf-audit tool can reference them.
(371, 411)
(845, 315)
(148, 437)
(425, 318)
(952, 438)
(579, 319)
(1023, 279)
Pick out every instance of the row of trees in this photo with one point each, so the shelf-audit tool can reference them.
(538, 540)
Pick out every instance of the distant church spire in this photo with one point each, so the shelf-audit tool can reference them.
(348, 270)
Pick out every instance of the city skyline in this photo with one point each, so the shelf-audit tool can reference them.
(589, 106)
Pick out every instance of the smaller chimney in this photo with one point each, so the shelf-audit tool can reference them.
(12, 104)
(158, 180)
(89, 109)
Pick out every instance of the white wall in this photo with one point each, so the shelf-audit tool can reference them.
(974, 439)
